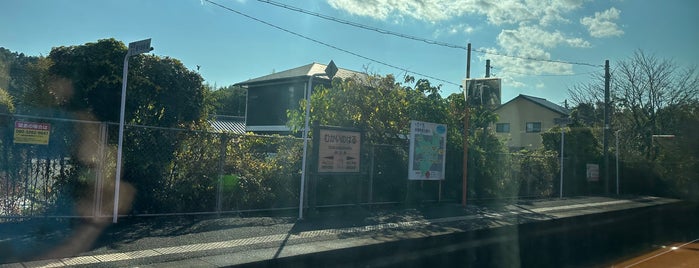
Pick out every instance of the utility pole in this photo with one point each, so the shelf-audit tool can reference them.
(466, 132)
(487, 68)
(607, 117)
(484, 140)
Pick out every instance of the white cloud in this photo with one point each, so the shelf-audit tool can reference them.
(532, 42)
(460, 28)
(427, 10)
(525, 37)
(602, 24)
(529, 29)
(500, 12)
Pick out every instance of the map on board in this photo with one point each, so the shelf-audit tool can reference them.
(427, 151)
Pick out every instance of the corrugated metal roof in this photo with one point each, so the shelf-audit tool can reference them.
(303, 71)
(228, 124)
(542, 102)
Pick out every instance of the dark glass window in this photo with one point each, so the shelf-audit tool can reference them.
(533, 126)
(502, 127)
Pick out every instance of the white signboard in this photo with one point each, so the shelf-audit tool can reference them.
(338, 151)
(428, 145)
(592, 172)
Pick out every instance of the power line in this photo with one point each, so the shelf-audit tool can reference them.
(530, 74)
(328, 45)
(536, 59)
(412, 37)
(362, 26)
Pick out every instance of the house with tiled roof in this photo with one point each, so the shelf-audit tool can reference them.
(270, 96)
(522, 120)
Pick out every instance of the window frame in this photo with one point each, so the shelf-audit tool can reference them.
(502, 127)
(531, 127)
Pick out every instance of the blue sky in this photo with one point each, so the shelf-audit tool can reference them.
(231, 48)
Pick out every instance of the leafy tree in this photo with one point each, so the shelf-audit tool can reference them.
(20, 74)
(6, 103)
(383, 108)
(539, 170)
(589, 93)
(161, 92)
(228, 100)
(267, 173)
(588, 115)
(378, 106)
(486, 153)
(676, 160)
(581, 147)
(651, 90)
(650, 96)
(425, 103)
(85, 81)
(88, 77)
(39, 93)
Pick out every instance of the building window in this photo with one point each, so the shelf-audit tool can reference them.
(502, 127)
(533, 127)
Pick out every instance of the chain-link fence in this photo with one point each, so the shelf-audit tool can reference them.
(170, 171)
(165, 170)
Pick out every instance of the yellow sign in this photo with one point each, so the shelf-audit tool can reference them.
(32, 133)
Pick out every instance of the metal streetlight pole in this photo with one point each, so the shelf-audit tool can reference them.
(616, 134)
(305, 143)
(560, 193)
(562, 122)
(330, 71)
(135, 48)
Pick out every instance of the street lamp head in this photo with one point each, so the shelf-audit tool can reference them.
(140, 47)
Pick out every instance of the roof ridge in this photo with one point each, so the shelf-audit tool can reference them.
(297, 72)
(542, 102)
(530, 96)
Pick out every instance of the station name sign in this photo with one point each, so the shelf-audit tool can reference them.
(339, 150)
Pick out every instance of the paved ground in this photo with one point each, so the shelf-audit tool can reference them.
(673, 255)
(215, 242)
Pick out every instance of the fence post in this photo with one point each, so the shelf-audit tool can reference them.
(221, 163)
(99, 184)
(371, 175)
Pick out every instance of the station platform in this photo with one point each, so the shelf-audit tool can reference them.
(334, 234)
